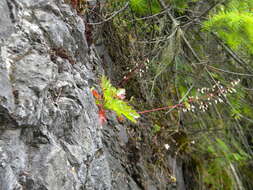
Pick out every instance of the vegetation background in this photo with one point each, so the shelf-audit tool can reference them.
(187, 68)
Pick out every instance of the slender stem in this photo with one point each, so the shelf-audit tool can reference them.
(111, 17)
(162, 108)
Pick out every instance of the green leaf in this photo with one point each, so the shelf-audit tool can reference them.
(156, 129)
(222, 145)
(144, 7)
(113, 102)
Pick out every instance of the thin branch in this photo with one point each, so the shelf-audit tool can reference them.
(176, 24)
(211, 8)
(230, 72)
(192, 50)
(180, 104)
(111, 17)
(151, 16)
(228, 102)
(153, 23)
(239, 60)
(204, 13)
(160, 109)
(182, 99)
(163, 5)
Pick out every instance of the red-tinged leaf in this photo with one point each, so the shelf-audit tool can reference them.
(96, 94)
(102, 116)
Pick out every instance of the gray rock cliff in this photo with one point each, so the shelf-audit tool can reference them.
(50, 137)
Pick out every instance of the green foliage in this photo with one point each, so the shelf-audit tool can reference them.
(221, 135)
(156, 128)
(180, 4)
(239, 107)
(217, 176)
(234, 27)
(239, 5)
(227, 152)
(218, 172)
(144, 7)
(234, 24)
(113, 101)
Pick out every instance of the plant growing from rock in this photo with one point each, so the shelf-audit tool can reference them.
(113, 99)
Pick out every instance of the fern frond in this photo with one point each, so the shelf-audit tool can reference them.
(234, 27)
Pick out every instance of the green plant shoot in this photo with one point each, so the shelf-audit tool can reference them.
(113, 100)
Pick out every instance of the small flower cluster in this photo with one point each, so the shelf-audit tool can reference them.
(209, 96)
(139, 69)
(144, 68)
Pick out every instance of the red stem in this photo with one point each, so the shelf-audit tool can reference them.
(177, 105)
(159, 109)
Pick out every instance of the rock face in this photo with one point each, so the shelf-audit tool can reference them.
(50, 137)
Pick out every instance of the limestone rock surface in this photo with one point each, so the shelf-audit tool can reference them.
(50, 137)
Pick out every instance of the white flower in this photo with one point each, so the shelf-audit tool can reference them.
(121, 94)
(166, 146)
